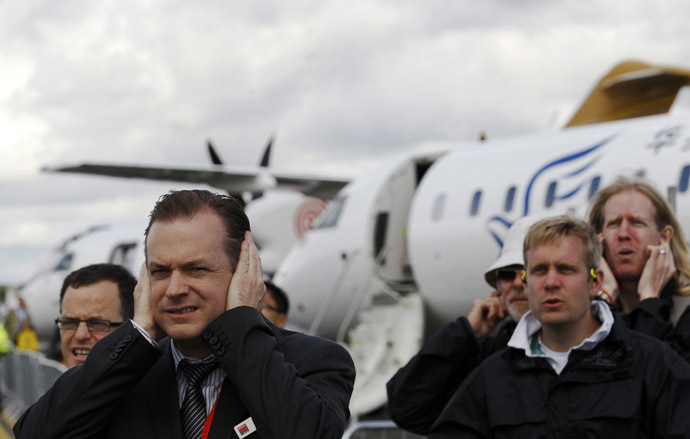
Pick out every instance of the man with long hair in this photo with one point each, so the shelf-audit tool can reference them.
(646, 260)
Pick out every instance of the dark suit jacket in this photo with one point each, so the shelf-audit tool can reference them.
(291, 384)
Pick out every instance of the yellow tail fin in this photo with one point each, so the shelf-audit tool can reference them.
(631, 89)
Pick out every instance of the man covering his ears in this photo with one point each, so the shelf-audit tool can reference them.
(420, 390)
(572, 368)
(646, 261)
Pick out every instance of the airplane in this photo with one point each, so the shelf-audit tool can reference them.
(234, 180)
(281, 206)
(434, 221)
(401, 251)
(120, 244)
(418, 232)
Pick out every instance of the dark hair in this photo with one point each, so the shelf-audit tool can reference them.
(95, 273)
(279, 296)
(187, 203)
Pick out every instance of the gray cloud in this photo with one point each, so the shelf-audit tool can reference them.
(344, 84)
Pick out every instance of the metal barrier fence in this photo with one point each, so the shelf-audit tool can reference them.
(378, 429)
(24, 377)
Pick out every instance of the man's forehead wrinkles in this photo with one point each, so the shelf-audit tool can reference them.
(180, 262)
(640, 216)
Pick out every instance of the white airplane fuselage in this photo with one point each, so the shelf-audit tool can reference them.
(445, 224)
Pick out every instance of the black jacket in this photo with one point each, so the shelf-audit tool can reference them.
(291, 384)
(419, 391)
(652, 317)
(629, 386)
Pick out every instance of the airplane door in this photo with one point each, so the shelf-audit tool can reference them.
(380, 230)
(391, 214)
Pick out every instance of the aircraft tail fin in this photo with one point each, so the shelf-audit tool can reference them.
(215, 158)
(631, 89)
(267, 152)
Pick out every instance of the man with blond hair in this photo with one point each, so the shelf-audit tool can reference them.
(421, 389)
(572, 368)
(646, 260)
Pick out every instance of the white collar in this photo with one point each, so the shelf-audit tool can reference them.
(528, 326)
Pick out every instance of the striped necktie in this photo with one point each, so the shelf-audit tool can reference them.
(194, 405)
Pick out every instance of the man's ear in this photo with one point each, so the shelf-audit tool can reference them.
(666, 234)
(597, 277)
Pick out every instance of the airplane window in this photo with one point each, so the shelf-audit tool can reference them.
(439, 206)
(594, 187)
(330, 215)
(510, 199)
(476, 199)
(684, 179)
(123, 254)
(551, 194)
(65, 263)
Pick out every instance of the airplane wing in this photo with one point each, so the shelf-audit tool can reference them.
(320, 187)
(233, 180)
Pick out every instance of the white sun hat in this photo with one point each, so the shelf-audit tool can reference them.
(511, 253)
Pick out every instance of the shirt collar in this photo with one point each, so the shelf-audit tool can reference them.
(178, 356)
(529, 326)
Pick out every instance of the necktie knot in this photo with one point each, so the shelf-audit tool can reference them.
(196, 372)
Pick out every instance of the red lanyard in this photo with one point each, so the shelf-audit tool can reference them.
(209, 420)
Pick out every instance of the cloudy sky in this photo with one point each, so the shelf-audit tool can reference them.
(344, 84)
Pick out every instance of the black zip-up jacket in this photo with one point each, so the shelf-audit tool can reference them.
(629, 386)
(652, 317)
(418, 392)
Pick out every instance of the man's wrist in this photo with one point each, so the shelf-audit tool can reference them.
(647, 294)
(144, 333)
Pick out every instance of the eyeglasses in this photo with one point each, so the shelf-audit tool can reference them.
(508, 274)
(93, 325)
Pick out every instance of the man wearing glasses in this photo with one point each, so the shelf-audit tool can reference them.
(419, 391)
(572, 368)
(198, 359)
(94, 300)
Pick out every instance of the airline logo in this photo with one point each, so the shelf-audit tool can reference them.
(245, 428)
(561, 178)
